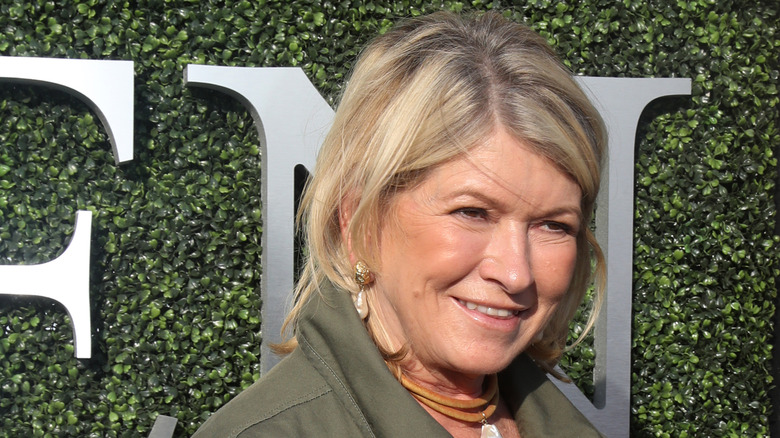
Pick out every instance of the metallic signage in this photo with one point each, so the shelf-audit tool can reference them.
(292, 119)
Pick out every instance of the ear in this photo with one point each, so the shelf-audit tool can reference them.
(346, 210)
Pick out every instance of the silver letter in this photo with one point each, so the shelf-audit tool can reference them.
(620, 102)
(164, 426)
(107, 87)
(292, 119)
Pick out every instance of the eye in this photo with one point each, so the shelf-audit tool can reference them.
(471, 212)
(559, 227)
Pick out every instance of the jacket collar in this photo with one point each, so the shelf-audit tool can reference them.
(337, 344)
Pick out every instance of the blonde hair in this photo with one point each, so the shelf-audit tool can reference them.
(425, 92)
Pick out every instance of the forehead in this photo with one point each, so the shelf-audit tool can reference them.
(505, 170)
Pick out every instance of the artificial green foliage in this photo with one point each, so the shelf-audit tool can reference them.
(176, 232)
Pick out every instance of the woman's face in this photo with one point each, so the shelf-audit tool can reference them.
(475, 259)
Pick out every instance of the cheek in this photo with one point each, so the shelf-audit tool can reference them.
(439, 245)
(556, 271)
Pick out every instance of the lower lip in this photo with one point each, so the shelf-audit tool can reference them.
(492, 322)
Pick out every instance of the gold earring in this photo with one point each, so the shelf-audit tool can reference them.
(363, 278)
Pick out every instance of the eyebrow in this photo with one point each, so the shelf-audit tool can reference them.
(576, 211)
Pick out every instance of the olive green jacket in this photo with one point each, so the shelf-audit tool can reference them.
(336, 384)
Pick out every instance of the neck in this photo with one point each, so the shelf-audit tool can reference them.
(445, 382)
(474, 410)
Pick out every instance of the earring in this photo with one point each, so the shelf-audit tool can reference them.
(363, 278)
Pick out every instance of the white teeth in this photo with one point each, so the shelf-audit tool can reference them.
(501, 313)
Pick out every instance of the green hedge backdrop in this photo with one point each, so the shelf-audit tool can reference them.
(176, 232)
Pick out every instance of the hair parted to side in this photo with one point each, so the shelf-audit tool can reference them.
(425, 92)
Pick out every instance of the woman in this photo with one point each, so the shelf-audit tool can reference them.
(447, 225)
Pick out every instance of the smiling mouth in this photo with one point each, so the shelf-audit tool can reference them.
(490, 311)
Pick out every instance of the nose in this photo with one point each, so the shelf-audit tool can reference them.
(507, 259)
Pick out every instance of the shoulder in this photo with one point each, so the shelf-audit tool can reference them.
(542, 409)
(282, 403)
